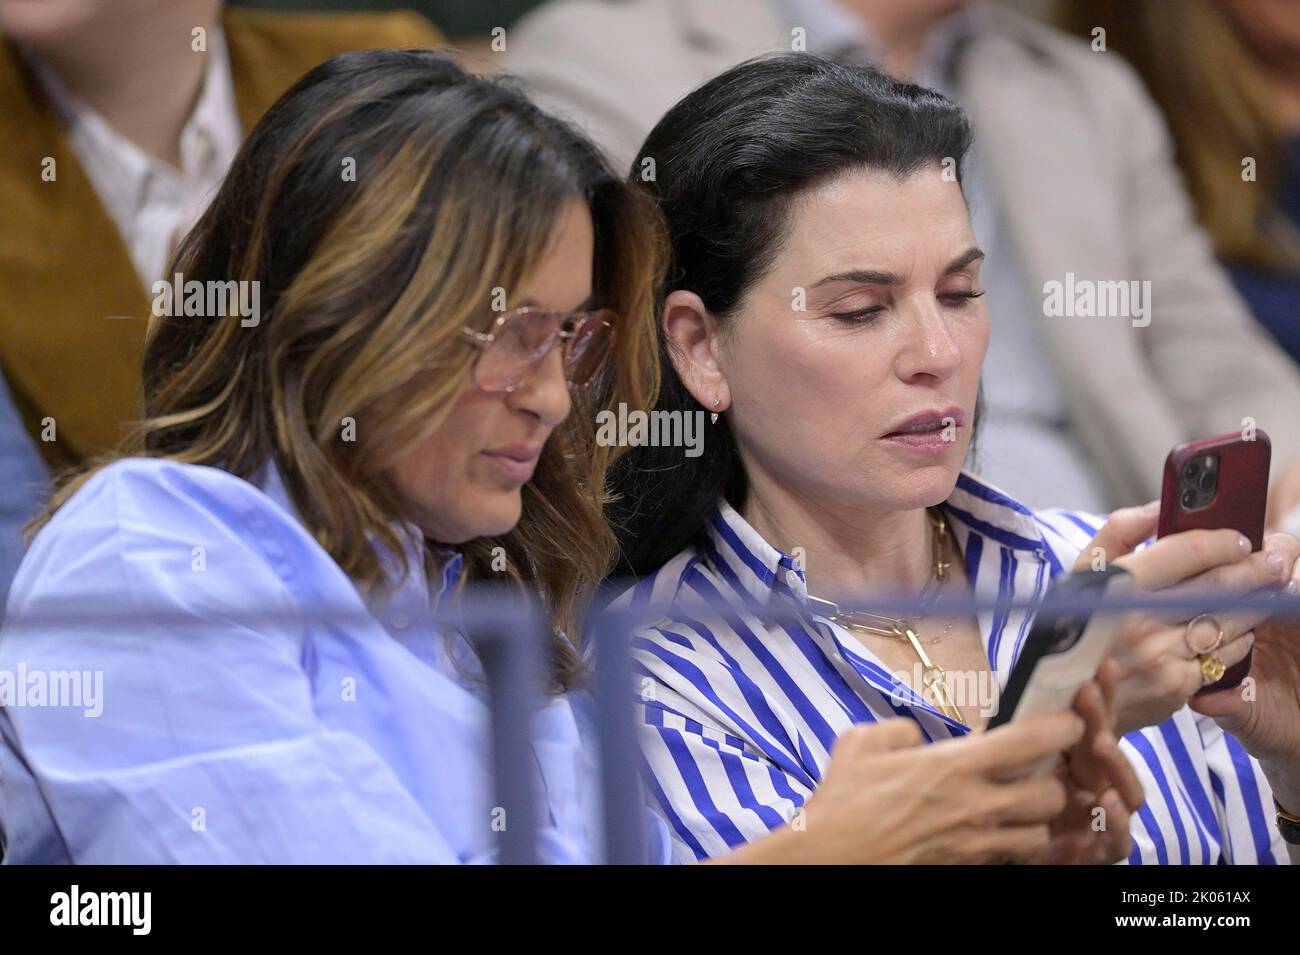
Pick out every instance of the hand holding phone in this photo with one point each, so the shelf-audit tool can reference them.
(1215, 483)
(1063, 649)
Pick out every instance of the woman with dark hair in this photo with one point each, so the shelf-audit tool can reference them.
(372, 384)
(824, 305)
(427, 272)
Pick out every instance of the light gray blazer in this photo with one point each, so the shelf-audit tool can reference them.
(1081, 163)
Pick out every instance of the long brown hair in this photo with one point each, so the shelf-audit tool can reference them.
(381, 204)
(1217, 99)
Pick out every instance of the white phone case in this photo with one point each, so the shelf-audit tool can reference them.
(1056, 677)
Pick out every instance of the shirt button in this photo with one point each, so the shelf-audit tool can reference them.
(202, 147)
(792, 578)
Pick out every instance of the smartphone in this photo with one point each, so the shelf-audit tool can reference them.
(1063, 650)
(1215, 483)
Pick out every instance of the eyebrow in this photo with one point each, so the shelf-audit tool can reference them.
(873, 277)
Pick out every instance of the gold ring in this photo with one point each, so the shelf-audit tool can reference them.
(1218, 640)
(1212, 668)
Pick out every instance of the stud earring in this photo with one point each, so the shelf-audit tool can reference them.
(714, 415)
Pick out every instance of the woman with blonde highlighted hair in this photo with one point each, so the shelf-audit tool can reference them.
(438, 286)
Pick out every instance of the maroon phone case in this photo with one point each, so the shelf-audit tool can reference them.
(1238, 503)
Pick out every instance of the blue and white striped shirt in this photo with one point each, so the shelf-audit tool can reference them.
(740, 717)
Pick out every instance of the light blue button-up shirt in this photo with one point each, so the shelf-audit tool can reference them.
(199, 707)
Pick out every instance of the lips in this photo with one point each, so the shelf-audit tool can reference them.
(515, 463)
(926, 421)
(523, 453)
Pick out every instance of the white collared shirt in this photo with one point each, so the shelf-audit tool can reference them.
(739, 714)
(152, 202)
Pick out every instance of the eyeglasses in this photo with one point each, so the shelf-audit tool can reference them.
(521, 338)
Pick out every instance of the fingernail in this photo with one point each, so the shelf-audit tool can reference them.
(1150, 507)
(1276, 564)
(1244, 544)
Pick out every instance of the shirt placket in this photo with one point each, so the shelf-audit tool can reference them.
(898, 693)
(830, 638)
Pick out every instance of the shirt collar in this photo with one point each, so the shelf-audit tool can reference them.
(210, 136)
(752, 566)
(438, 578)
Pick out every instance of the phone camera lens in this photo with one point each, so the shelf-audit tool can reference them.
(1193, 468)
(1189, 498)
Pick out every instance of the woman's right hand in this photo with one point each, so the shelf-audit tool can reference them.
(887, 798)
(1159, 672)
(1102, 789)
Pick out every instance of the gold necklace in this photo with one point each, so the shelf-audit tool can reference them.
(933, 676)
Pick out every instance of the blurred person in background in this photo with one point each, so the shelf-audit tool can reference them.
(1072, 180)
(119, 122)
(1227, 75)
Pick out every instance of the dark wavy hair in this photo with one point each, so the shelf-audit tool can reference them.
(728, 161)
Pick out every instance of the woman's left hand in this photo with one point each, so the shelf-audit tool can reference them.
(1263, 713)
(1097, 776)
